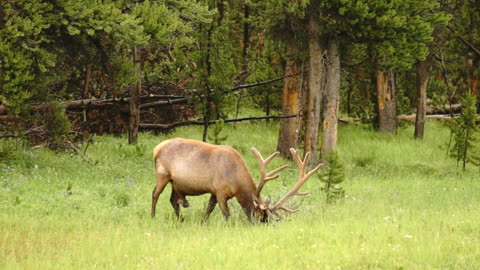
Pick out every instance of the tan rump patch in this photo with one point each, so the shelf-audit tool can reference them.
(160, 170)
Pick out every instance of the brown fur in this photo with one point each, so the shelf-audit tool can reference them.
(194, 168)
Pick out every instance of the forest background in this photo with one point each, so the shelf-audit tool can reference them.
(79, 79)
(155, 64)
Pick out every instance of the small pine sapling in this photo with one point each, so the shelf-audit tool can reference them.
(465, 134)
(332, 175)
(216, 130)
(57, 126)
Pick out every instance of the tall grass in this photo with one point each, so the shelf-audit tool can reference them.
(407, 207)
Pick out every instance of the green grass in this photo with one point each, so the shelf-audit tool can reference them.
(407, 207)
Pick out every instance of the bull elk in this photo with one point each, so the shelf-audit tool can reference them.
(194, 168)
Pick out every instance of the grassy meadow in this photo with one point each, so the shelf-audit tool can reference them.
(407, 206)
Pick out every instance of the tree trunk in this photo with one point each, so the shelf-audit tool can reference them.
(387, 103)
(288, 132)
(135, 88)
(209, 102)
(472, 80)
(86, 87)
(422, 81)
(315, 81)
(331, 99)
(246, 33)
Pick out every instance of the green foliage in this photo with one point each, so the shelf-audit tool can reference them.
(23, 56)
(128, 150)
(216, 138)
(7, 149)
(465, 135)
(403, 30)
(15, 151)
(364, 161)
(65, 36)
(215, 67)
(40, 36)
(332, 175)
(69, 191)
(264, 66)
(57, 125)
(122, 199)
(171, 26)
(283, 18)
(397, 31)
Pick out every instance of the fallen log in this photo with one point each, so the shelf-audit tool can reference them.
(145, 126)
(95, 104)
(122, 104)
(412, 117)
(408, 117)
(444, 109)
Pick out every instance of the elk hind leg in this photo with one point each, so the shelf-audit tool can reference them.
(162, 181)
(176, 200)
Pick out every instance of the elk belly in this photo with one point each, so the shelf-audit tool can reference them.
(189, 187)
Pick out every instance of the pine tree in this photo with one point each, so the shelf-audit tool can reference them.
(45, 45)
(217, 129)
(332, 175)
(215, 67)
(465, 134)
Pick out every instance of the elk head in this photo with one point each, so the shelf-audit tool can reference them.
(263, 210)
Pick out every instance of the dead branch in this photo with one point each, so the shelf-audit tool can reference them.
(81, 154)
(163, 102)
(470, 45)
(201, 123)
(238, 87)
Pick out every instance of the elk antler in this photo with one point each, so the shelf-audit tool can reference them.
(302, 178)
(264, 176)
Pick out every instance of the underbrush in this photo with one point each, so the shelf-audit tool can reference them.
(407, 206)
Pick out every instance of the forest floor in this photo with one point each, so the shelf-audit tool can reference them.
(407, 206)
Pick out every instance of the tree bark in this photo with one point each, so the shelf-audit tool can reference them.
(471, 78)
(246, 33)
(135, 88)
(331, 99)
(288, 132)
(209, 102)
(86, 87)
(315, 81)
(422, 81)
(387, 102)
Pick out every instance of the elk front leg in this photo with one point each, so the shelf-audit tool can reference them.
(211, 205)
(222, 203)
